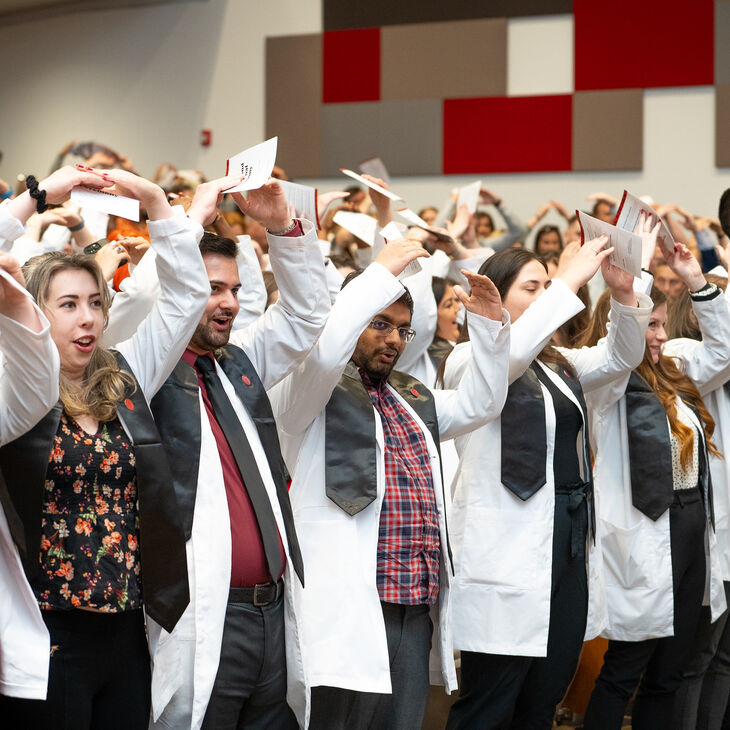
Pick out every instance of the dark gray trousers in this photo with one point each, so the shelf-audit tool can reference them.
(408, 629)
(701, 700)
(250, 688)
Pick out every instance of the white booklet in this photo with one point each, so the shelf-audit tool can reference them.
(415, 220)
(375, 167)
(255, 164)
(626, 245)
(110, 203)
(371, 185)
(469, 196)
(628, 214)
(360, 225)
(303, 198)
(392, 232)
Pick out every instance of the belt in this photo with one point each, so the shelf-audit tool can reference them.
(577, 494)
(262, 594)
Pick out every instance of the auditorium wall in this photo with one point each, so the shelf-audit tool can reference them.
(147, 80)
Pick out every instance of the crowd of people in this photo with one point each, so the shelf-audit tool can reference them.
(256, 473)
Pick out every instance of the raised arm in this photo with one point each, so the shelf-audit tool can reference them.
(277, 342)
(29, 363)
(157, 344)
(299, 399)
(706, 362)
(56, 188)
(480, 394)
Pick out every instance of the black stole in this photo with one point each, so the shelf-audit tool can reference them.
(650, 452)
(351, 479)
(524, 436)
(24, 463)
(177, 410)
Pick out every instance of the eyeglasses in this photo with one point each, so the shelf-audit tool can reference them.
(385, 328)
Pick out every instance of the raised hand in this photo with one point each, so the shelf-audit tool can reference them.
(324, 200)
(135, 246)
(648, 235)
(204, 206)
(14, 303)
(582, 267)
(620, 282)
(560, 209)
(487, 197)
(484, 299)
(399, 253)
(267, 205)
(685, 266)
(110, 258)
(380, 201)
(151, 196)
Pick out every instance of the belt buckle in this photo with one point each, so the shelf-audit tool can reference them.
(256, 601)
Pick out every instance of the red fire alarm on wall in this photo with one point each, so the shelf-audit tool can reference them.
(206, 137)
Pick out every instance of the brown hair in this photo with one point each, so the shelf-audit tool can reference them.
(668, 382)
(105, 383)
(502, 268)
(680, 323)
(598, 322)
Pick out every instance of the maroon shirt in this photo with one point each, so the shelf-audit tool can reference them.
(248, 560)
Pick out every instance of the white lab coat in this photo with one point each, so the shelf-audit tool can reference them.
(341, 618)
(503, 546)
(185, 663)
(152, 354)
(636, 549)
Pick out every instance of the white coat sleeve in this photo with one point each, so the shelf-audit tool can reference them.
(528, 335)
(538, 323)
(706, 362)
(424, 318)
(606, 367)
(10, 228)
(302, 396)
(277, 342)
(252, 296)
(133, 302)
(482, 389)
(29, 366)
(161, 338)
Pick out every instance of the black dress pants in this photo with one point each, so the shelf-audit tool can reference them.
(408, 630)
(99, 675)
(250, 687)
(500, 692)
(661, 661)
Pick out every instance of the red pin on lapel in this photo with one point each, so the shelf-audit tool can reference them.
(246, 380)
(415, 392)
(129, 404)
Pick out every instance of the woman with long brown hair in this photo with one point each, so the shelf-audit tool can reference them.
(525, 590)
(653, 449)
(702, 698)
(94, 532)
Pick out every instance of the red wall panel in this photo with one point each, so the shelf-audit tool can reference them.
(508, 134)
(351, 65)
(633, 45)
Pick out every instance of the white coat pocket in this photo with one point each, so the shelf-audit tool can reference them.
(625, 552)
(502, 548)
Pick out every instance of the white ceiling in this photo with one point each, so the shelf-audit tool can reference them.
(20, 11)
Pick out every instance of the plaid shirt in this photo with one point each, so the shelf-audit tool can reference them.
(408, 540)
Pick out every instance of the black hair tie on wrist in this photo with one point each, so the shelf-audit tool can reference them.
(38, 195)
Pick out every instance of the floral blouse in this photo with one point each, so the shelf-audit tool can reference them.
(89, 552)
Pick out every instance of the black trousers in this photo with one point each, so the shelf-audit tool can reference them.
(99, 677)
(250, 687)
(661, 661)
(499, 691)
(408, 630)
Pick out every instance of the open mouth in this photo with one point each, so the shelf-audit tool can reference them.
(388, 355)
(221, 323)
(85, 344)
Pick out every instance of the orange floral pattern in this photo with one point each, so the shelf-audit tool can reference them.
(89, 552)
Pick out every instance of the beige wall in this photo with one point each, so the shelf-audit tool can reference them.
(146, 80)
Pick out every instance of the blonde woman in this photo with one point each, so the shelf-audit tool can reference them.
(94, 530)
